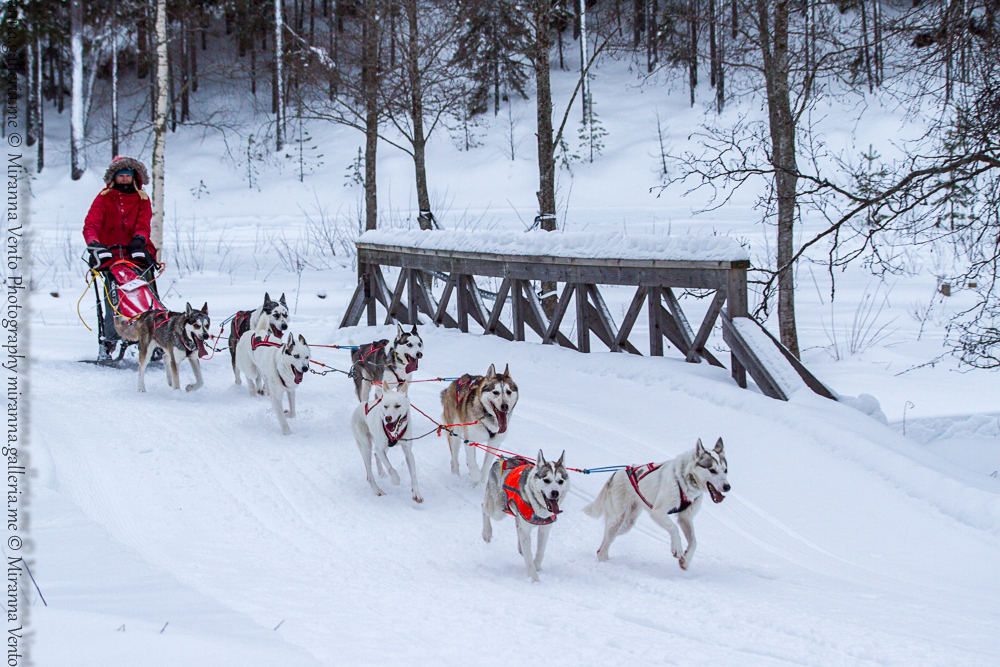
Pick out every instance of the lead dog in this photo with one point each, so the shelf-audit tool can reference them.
(383, 361)
(672, 487)
(276, 313)
(485, 403)
(180, 335)
(380, 423)
(531, 494)
(278, 366)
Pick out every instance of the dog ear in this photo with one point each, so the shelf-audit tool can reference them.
(541, 460)
(492, 372)
(188, 309)
(718, 446)
(562, 457)
(506, 370)
(282, 299)
(399, 330)
(267, 298)
(699, 448)
(414, 329)
(302, 340)
(204, 309)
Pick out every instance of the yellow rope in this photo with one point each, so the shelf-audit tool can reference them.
(90, 282)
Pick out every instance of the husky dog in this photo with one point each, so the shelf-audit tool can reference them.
(672, 487)
(486, 403)
(381, 361)
(278, 366)
(531, 494)
(380, 423)
(180, 335)
(276, 313)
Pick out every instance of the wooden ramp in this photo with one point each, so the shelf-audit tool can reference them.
(775, 370)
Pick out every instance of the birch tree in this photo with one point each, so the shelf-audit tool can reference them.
(159, 126)
(76, 114)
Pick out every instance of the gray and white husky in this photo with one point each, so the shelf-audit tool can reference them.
(380, 423)
(485, 403)
(531, 493)
(180, 335)
(273, 365)
(672, 487)
(276, 314)
(392, 363)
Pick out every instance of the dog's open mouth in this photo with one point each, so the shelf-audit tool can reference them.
(411, 363)
(717, 496)
(552, 505)
(299, 374)
(501, 420)
(276, 331)
(393, 429)
(202, 352)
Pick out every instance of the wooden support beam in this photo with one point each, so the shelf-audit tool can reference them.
(397, 296)
(655, 323)
(535, 318)
(678, 316)
(463, 303)
(518, 307)
(631, 315)
(368, 277)
(736, 306)
(412, 295)
(698, 343)
(478, 310)
(357, 305)
(498, 304)
(563, 305)
(442, 309)
(749, 360)
(582, 321)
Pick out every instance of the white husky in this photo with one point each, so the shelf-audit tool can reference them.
(273, 366)
(672, 487)
(380, 423)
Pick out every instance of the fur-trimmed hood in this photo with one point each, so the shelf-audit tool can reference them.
(120, 163)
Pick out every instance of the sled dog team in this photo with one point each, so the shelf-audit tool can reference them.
(476, 408)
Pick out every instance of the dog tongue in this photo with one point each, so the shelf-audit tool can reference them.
(501, 421)
(552, 505)
(411, 364)
(298, 375)
(716, 496)
(202, 352)
(276, 331)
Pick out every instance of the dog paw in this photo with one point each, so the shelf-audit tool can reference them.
(602, 558)
(394, 477)
(417, 498)
(286, 431)
(487, 536)
(191, 387)
(684, 562)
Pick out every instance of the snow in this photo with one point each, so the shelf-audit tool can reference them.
(182, 528)
(769, 356)
(694, 248)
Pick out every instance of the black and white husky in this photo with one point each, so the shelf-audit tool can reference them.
(531, 492)
(380, 423)
(672, 487)
(382, 361)
(276, 313)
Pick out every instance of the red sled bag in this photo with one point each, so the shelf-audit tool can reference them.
(135, 296)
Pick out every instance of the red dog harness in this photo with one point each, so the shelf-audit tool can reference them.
(393, 439)
(514, 485)
(636, 474)
(256, 341)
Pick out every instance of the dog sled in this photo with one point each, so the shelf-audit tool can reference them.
(121, 287)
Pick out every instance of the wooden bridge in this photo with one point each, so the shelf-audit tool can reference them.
(654, 265)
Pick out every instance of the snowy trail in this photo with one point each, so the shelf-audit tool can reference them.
(845, 567)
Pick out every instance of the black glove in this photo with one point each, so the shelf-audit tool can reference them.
(99, 254)
(137, 249)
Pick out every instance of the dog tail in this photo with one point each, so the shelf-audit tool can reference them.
(127, 329)
(596, 508)
(263, 324)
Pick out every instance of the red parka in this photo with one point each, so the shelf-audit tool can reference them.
(115, 217)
